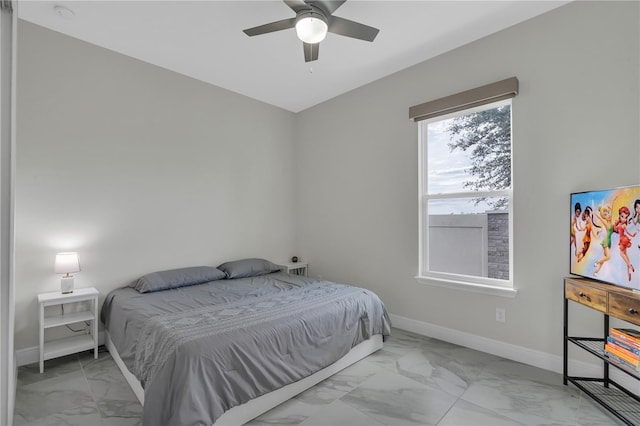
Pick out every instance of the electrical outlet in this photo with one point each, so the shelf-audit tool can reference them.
(501, 315)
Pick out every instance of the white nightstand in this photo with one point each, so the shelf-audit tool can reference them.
(297, 268)
(73, 344)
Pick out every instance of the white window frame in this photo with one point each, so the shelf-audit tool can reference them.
(485, 285)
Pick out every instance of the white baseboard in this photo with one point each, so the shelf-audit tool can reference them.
(521, 354)
(27, 356)
(31, 355)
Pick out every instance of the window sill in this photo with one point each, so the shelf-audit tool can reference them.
(491, 290)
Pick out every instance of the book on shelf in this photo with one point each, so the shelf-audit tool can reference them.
(622, 362)
(626, 335)
(629, 333)
(614, 344)
(615, 350)
(624, 345)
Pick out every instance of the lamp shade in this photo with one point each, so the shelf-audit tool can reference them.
(66, 263)
(311, 28)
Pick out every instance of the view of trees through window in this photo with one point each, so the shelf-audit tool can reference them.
(467, 192)
(486, 135)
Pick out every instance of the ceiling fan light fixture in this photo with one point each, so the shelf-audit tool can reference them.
(311, 28)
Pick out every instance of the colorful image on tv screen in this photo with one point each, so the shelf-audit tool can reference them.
(605, 235)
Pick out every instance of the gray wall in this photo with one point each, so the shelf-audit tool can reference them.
(575, 127)
(141, 169)
(138, 169)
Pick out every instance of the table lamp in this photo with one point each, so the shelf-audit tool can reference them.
(65, 264)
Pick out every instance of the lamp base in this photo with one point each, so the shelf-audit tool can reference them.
(66, 285)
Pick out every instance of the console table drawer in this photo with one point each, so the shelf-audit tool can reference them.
(586, 295)
(624, 307)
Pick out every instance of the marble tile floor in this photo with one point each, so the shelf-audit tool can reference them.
(413, 380)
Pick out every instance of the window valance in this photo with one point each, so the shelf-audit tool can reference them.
(494, 92)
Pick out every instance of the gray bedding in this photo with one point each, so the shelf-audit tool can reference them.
(200, 350)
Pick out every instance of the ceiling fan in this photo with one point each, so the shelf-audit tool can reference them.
(314, 18)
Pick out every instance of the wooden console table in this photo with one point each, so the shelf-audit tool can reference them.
(611, 301)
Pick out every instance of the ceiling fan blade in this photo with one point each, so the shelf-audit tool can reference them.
(311, 51)
(284, 24)
(330, 6)
(352, 29)
(296, 5)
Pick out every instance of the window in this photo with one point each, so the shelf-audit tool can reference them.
(466, 224)
(465, 191)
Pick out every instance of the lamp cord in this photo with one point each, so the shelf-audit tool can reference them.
(86, 323)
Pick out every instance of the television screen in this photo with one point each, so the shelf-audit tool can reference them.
(605, 235)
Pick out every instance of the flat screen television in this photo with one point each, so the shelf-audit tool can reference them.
(605, 236)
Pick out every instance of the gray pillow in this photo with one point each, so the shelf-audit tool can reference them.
(174, 278)
(248, 268)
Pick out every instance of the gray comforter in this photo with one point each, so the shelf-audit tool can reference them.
(199, 351)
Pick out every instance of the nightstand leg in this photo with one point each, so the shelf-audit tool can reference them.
(95, 328)
(41, 338)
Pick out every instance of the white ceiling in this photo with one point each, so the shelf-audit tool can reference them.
(204, 39)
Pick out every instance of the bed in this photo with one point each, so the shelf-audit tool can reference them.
(223, 345)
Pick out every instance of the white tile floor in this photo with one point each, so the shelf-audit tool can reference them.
(413, 380)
